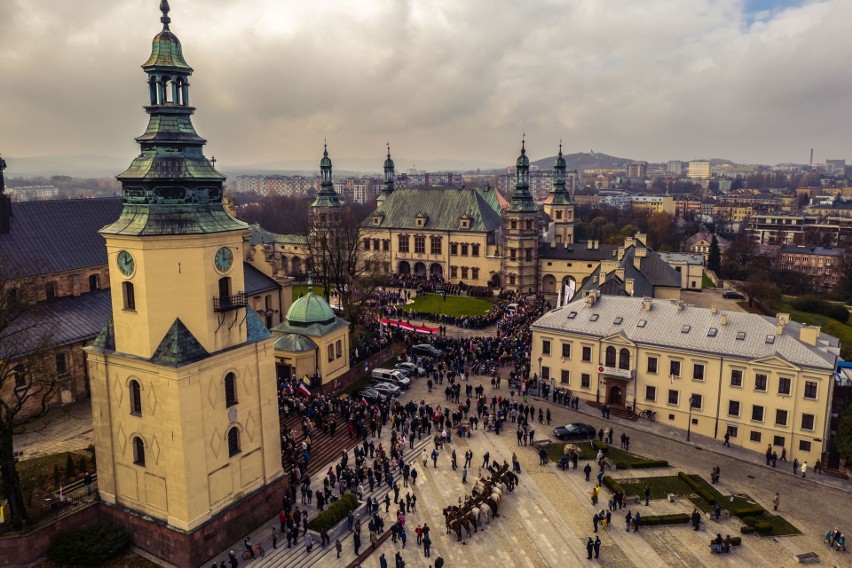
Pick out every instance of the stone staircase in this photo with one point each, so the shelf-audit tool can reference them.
(614, 411)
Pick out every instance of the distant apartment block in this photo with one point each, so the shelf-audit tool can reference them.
(699, 169)
(276, 185)
(637, 170)
(822, 265)
(674, 167)
(653, 203)
(835, 167)
(33, 192)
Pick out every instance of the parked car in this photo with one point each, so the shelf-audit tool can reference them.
(411, 369)
(427, 349)
(386, 389)
(372, 395)
(393, 376)
(574, 432)
(731, 295)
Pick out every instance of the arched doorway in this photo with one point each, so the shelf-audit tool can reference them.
(616, 396)
(548, 284)
(569, 288)
(404, 267)
(436, 270)
(296, 266)
(419, 269)
(496, 282)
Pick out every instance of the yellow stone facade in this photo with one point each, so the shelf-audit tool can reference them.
(638, 354)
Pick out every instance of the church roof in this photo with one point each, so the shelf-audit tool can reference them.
(442, 207)
(260, 236)
(309, 309)
(178, 347)
(294, 343)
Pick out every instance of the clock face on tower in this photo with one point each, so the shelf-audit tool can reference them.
(224, 259)
(125, 262)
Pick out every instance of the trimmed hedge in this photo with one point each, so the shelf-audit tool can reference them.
(598, 445)
(647, 464)
(747, 511)
(747, 530)
(91, 546)
(815, 305)
(656, 520)
(613, 485)
(698, 488)
(763, 528)
(334, 513)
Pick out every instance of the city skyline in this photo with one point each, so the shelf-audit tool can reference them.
(747, 81)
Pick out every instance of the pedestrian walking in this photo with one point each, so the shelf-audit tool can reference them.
(427, 544)
(464, 474)
(590, 545)
(636, 521)
(804, 469)
(597, 546)
(383, 562)
(727, 441)
(628, 518)
(587, 470)
(274, 537)
(595, 520)
(338, 547)
(776, 501)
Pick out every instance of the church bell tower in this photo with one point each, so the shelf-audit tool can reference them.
(521, 232)
(183, 385)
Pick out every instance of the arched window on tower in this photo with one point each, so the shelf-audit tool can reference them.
(153, 88)
(233, 441)
(138, 451)
(135, 398)
(624, 359)
(610, 356)
(128, 295)
(230, 389)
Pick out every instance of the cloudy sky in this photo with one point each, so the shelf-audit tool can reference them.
(749, 80)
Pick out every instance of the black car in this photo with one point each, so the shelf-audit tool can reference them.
(372, 395)
(730, 295)
(574, 432)
(427, 349)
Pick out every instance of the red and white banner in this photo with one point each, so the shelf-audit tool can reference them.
(408, 327)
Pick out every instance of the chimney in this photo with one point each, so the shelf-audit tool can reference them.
(723, 320)
(620, 253)
(679, 305)
(628, 286)
(590, 245)
(783, 319)
(641, 252)
(714, 310)
(637, 262)
(628, 242)
(619, 272)
(597, 244)
(601, 277)
(590, 298)
(646, 304)
(809, 334)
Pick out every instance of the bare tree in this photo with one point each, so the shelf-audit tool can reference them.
(27, 382)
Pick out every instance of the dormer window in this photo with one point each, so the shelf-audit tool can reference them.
(464, 222)
(770, 339)
(420, 220)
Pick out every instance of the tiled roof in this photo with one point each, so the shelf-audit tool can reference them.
(312, 330)
(665, 321)
(255, 330)
(260, 236)
(294, 343)
(58, 236)
(576, 251)
(179, 347)
(62, 322)
(654, 272)
(707, 236)
(443, 207)
(256, 281)
(687, 257)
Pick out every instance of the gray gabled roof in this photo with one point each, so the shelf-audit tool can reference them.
(294, 343)
(653, 272)
(178, 347)
(664, 325)
(443, 207)
(256, 281)
(58, 236)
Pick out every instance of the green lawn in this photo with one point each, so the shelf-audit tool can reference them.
(621, 459)
(302, 289)
(458, 306)
(706, 282)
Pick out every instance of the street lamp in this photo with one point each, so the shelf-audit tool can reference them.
(539, 377)
(689, 425)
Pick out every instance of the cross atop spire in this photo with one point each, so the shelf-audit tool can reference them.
(165, 9)
(388, 144)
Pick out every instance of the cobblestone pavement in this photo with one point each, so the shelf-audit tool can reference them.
(62, 429)
(545, 522)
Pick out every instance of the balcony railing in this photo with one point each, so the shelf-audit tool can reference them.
(228, 303)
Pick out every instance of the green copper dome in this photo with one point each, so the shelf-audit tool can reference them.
(309, 309)
(523, 161)
(166, 52)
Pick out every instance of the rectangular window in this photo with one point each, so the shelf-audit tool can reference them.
(435, 245)
(674, 396)
(475, 249)
(757, 413)
(454, 272)
(464, 272)
(755, 436)
(566, 377)
(338, 348)
(513, 254)
(804, 446)
(545, 347)
(778, 441)
(733, 408)
(528, 253)
(780, 417)
(331, 353)
(585, 380)
(366, 244)
(810, 389)
(760, 382)
(386, 245)
(566, 350)
(545, 373)
(651, 393)
(61, 363)
(454, 249)
(807, 421)
(696, 400)
(652, 365)
(128, 295)
(736, 378)
(587, 354)
(784, 385)
(419, 244)
(698, 372)
(464, 249)
(733, 431)
(403, 243)
(674, 368)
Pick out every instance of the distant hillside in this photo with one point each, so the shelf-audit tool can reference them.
(584, 161)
